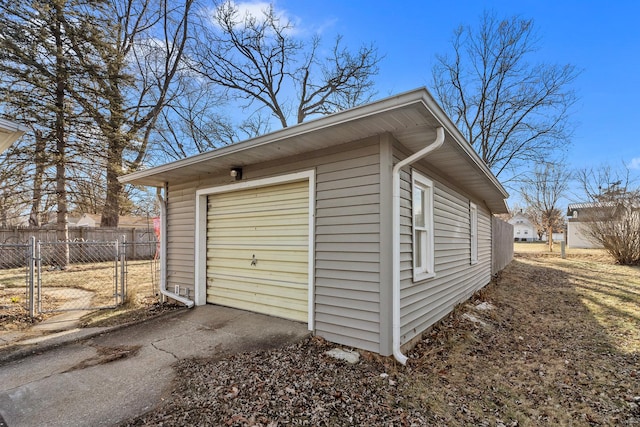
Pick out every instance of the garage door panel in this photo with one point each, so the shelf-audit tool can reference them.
(264, 286)
(250, 241)
(262, 265)
(285, 219)
(257, 232)
(253, 204)
(235, 246)
(239, 267)
(285, 253)
(262, 306)
(260, 209)
(272, 224)
(290, 191)
(248, 300)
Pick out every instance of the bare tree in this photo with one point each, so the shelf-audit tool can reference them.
(35, 57)
(258, 59)
(613, 218)
(130, 51)
(13, 183)
(606, 183)
(510, 110)
(542, 191)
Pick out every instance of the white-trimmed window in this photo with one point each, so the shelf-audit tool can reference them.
(473, 231)
(422, 221)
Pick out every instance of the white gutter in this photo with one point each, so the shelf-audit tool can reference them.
(395, 296)
(163, 256)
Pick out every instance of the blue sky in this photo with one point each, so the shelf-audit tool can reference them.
(600, 38)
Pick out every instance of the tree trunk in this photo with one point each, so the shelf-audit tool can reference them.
(62, 226)
(111, 211)
(40, 156)
(550, 238)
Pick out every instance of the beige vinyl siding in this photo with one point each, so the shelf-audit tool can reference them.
(272, 225)
(425, 302)
(181, 205)
(348, 248)
(347, 240)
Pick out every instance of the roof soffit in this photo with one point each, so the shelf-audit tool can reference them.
(412, 118)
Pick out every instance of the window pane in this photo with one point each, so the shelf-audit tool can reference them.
(417, 249)
(418, 206)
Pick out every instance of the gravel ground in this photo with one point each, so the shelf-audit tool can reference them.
(535, 357)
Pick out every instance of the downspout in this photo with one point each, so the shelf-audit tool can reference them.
(163, 255)
(397, 353)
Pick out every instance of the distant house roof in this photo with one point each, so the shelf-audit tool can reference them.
(577, 212)
(93, 221)
(411, 117)
(520, 218)
(129, 221)
(9, 133)
(588, 205)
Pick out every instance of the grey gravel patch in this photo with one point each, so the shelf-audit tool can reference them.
(348, 356)
(484, 306)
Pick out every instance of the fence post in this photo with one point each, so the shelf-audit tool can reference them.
(123, 270)
(116, 259)
(38, 254)
(133, 241)
(32, 266)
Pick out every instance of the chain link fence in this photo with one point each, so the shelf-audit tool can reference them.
(42, 277)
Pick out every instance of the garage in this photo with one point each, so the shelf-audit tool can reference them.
(258, 249)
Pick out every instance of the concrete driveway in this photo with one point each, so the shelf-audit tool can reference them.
(107, 379)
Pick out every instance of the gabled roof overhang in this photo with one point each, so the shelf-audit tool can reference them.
(9, 133)
(412, 118)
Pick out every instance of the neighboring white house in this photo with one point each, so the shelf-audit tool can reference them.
(523, 229)
(9, 133)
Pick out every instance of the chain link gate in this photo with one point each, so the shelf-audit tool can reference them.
(44, 277)
(79, 275)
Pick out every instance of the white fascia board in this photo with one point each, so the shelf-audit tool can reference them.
(12, 130)
(378, 107)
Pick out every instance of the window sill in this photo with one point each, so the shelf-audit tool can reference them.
(419, 277)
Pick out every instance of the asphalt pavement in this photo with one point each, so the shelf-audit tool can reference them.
(103, 377)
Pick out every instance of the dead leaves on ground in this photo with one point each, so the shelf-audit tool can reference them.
(538, 358)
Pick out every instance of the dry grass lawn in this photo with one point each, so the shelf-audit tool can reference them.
(97, 278)
(561, 347)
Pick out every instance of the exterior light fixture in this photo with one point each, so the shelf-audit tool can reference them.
(236, 173)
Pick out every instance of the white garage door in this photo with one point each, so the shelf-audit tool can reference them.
(257, 249)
